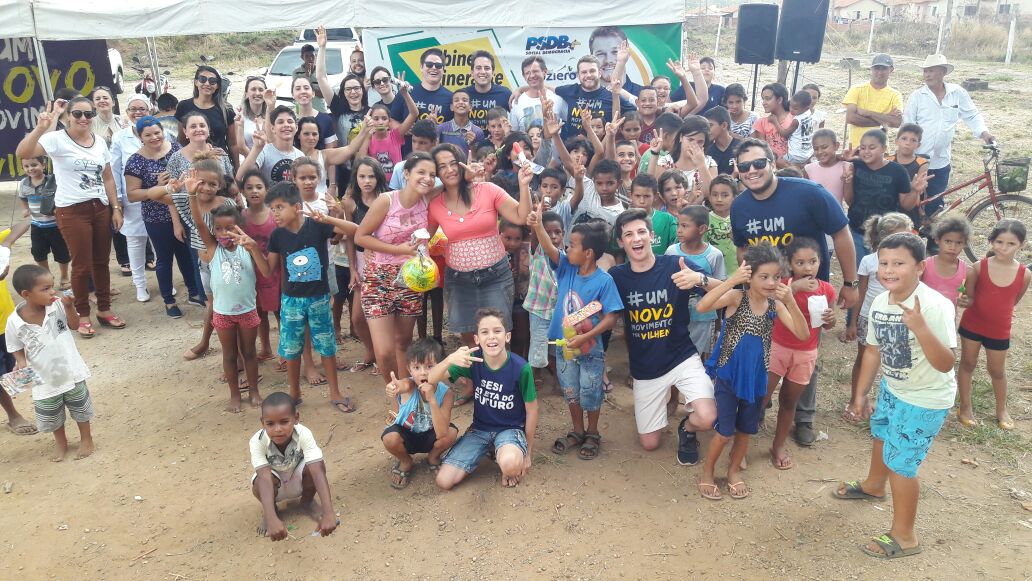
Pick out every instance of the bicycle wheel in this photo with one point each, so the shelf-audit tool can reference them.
(983, 217)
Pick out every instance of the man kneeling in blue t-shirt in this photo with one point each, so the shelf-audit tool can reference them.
(505, 409)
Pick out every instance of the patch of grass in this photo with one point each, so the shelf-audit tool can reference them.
(1000, 78)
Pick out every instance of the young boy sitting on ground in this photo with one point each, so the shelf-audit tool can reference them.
(422, 414)
(288, 464)
(505, 407)
(38, 334)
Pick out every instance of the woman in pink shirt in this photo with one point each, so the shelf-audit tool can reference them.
(386, 235)
(478, 273)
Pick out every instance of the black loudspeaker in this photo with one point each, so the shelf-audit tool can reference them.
(757, 33)
(801, 30)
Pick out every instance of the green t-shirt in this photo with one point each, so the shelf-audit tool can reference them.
(664, 233)
(719, 235)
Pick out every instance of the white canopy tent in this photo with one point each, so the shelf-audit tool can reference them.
(70, 20)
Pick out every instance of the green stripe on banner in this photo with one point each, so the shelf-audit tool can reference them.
(656, 43)
(398, 64)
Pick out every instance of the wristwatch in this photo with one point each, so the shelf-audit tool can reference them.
(705, 281)
(851, 283)
(117, 209)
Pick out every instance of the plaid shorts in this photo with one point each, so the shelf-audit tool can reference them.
(50, 412)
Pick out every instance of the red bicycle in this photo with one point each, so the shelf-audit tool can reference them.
(986, 211)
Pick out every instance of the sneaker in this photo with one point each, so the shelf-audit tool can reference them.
(687, 446)
(174, 291)
(196, 301)
(173, 311)
(142, 295)
(803, 434)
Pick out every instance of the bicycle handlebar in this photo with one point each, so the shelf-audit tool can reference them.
(993, 146)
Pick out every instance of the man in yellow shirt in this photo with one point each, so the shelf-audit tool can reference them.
(874, 104)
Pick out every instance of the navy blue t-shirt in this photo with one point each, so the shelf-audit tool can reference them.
(725, 159)
(497, 96)
(716, 96)
(499, 395)
(656, 316)
(436, 104)
(798, 207)
(599, 102)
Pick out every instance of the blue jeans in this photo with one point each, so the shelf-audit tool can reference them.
(581, 378)
(859, 245)
(936, 185)
(467, 453)
(167, 247)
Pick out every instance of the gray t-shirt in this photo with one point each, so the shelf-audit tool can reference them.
(275, 164)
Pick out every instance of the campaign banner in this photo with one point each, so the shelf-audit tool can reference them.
(398, 49)
(76, 64)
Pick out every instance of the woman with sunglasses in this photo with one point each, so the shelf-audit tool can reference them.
(210, 100)
(124, 144)
(86, 201)
(145, 171)
(251, 110)
(380, 83)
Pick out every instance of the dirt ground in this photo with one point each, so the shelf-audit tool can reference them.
(167, 494)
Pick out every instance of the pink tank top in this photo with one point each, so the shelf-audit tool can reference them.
(947, 287)
(397, 227)
(992, 310)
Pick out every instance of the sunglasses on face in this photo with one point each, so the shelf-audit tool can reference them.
(433, 65)
(80, 114)
(205, 80)
(382, 81)
(747, 166)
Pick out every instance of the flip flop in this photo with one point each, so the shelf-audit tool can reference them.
(434, 467)
(86, 330)
(113, 322)
(265, 357)
(1007, 426)
(346, 402)
(710, 491)
(403, 477)
(966, 422)
(736, 490)
(360, 366)
(322, 381)
(25, 429)
(891, 547)
(192, 355)
(786, 465)
(854, 492)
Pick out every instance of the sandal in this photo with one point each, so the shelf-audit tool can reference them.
(966, 422)
(433, 467)
(361, 366)
(563, 445)
(399, 477)
(891, 548)
(785, 464)
(86, 330)
(113, 321)
(738, 490)
(854, 492)
(126, 269)
(346, 402)
(589, 449)
(710, 491)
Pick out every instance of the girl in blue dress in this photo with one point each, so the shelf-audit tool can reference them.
(741, 357)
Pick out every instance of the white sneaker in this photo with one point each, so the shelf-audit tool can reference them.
(174, 291)
(142, 295)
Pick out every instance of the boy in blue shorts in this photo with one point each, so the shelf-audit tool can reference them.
(584, 292)
(505, 407)
(299, 244)
(913, 329)
(422, 414)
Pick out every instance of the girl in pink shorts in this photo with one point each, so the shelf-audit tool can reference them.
(793, 359)
(232, 257)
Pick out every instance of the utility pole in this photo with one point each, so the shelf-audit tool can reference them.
(948, 27)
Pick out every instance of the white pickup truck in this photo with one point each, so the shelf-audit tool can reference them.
(117, 76)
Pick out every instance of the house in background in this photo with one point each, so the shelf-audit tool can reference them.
(850, 10)
(1000, 10)
(914, 10)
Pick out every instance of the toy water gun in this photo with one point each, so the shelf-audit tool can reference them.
(570, 323)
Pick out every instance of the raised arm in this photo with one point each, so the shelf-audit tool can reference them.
(321, 77)
(517, 213)
(29, 145)
(413, 110)
(544, 242)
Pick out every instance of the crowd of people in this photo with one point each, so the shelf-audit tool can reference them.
(557, 212)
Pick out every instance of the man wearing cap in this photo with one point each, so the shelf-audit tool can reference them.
(307, 70)
(874, 104)
(936, 108)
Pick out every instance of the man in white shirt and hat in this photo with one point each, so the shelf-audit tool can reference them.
(936, 108)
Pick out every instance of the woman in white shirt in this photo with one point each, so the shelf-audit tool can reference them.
(124, 143)
(86, 201)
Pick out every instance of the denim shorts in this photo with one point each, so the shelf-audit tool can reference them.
(538, 341)
(467, 292)
(472, 446)
(300, 313)
(734, 414)
(581, 377)
(906, 430)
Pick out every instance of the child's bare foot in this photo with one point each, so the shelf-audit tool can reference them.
(313, 377)
(234, 404)
(510, 481)
(255, 398)
(195, 352)
(1004, 421)
(85, 449)
(262, 529)
(60, 452)
(265, 355)
(966, 417)
(21, 427)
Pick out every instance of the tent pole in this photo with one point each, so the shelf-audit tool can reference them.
(41, 60)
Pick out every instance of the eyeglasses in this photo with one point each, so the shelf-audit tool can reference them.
(433, 65)
(137, 109)
(381, 81)
(746, 166)
(78, 114)
(352, 89)
(205, 80)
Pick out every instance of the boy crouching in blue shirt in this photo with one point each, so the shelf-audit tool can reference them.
(422, 414)
(505, 409)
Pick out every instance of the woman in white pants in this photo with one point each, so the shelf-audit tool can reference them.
(124, 144)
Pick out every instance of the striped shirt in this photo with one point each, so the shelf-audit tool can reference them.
(33, 195)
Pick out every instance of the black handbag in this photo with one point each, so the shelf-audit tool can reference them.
(46, 201)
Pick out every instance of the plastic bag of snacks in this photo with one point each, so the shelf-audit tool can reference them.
(419, 273)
